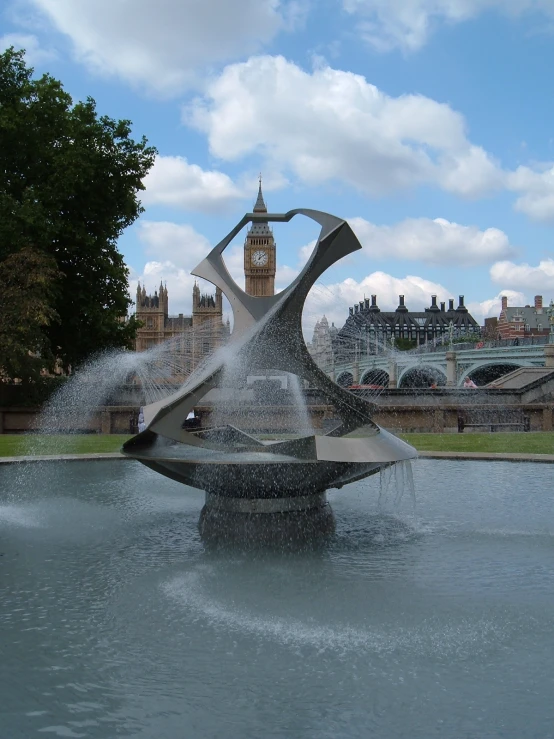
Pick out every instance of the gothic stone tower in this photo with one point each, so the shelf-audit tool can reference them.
(259, 254)
(151, 311)
(208, 331)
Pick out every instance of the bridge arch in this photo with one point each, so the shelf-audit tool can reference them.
(422, 376)
(345, 379)
(486, 372)
(375, 377)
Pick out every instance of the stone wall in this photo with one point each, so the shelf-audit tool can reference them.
(106, 420)
(401, 416)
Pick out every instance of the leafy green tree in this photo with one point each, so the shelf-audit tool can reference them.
(27, 284)
(69, 186)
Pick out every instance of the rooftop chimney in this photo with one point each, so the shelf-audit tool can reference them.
(451, 304)
(504, 302)
(401, 306)
(461, 304)
(443, 307)
(538, 303)
(374, 308)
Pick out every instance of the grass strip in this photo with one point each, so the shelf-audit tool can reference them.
(519, 442)
(18, 445)
(15, 445)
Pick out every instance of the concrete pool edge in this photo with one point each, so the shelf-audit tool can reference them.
(475, 456)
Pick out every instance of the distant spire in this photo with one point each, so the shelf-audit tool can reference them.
(260, 206)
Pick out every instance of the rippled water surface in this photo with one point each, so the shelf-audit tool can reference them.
(115, 622)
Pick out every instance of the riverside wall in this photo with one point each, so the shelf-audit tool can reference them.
(401, 414)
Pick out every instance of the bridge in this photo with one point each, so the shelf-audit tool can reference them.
(482, 363)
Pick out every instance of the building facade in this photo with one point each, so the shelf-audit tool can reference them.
(519, 322)
(321, 346)
(368, 329)
(193, 337)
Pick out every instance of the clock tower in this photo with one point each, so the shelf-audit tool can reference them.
(259, 254)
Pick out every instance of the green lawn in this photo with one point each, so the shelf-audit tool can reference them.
(524, 443)
(531, 443)
(13, 445)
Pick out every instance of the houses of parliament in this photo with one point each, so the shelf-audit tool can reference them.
(201, 333)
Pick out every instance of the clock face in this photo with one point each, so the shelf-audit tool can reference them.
(259, 258)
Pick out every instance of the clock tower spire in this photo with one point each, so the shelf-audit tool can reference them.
(259, 253)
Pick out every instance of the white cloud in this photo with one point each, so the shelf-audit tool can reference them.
(407, 24)
(179, 284)
(435, 241)
(491, 306)
(162, 44)
(524, 276)
(536, 188)
(334, 300)
(34, 52)
(173, 181)
(178, 243)
(174, 249)
(330, 124)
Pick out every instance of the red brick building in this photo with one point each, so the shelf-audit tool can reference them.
(521, 321)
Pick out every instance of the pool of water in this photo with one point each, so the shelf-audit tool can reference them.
(116, 622)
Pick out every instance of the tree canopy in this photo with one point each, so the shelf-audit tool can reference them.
(69, 186)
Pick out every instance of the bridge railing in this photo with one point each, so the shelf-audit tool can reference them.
(483, 344)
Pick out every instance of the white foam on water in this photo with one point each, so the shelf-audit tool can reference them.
(513, 532)
(18, 515)
(464, 637)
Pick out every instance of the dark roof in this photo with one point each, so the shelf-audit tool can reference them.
(261, 228)
(259, 205)
(529, 316)
(438, 318)
(177, 323)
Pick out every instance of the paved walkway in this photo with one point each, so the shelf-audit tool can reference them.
(486, 456)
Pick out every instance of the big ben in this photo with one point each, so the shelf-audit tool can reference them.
(259, 254)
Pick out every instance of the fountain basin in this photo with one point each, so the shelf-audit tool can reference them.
(118, 621)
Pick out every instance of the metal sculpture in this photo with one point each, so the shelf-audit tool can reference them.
(245, 478)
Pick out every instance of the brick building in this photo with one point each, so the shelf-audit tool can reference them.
(518, 322)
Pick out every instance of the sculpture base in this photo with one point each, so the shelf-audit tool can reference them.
(266, 522)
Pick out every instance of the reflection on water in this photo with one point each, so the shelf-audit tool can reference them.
(117, 623)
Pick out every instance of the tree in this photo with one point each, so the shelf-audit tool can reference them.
(69, 185)
(27, 280)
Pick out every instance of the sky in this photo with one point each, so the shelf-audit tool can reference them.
(427, 124)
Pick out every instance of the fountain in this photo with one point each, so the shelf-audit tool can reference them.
(118, 621)
(256, 489)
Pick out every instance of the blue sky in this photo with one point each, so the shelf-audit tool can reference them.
(428, 124)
